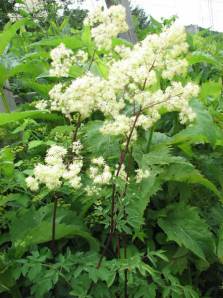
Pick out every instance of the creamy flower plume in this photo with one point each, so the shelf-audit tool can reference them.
(141, 83)
(63, 58)
(133, 80)
(106, 24)
(100, 172)
(54, 172)
(34, 7)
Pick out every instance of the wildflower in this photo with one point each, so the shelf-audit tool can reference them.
(62, 59)
(106, 25)
(141, 174)
(32, 183)
(41, 105)
(55, 172)
(100, 173)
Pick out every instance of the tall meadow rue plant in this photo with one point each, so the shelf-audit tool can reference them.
(140, 84)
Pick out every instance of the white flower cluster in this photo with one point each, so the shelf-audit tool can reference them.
(106, 24)
(121, 125)
(156, 53)
(72, 174)
(34, 7)
(100, 173)
(132, 85)
(63, 59)
(136, 73)
(41, 105)
(85, 95)
(77, 147)
(92, 190)
(141, 174)
(175, 98)
(81, 57)
(63, 5)
(55, 170)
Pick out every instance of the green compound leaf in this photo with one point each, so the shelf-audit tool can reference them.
(183, 224)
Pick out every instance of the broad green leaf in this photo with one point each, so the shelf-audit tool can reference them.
(102, 68)
(6, 118)
(43, 233)
(76, 71)
(178, 260)
(72, 42)
(3, 75)
(183, 224)
(7, 162)
(86, 36)
(210, 89)
(120, 42)
(42, 89)
(202, 57)
(189, 292)
(146, 290)
(138, 199)
(185, 172)
(203, 130)
(174, 168)
(97, 143)
(18, 199)
(30, 226)
(31, 68)
(35, 143)
(158, 156)
(8, 33)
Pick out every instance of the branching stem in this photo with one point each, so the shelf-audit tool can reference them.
(121, 162)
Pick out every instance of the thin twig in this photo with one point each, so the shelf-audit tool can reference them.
(158, 103)
(53, 242)
(92, 60)
(107, 243)
(126, 270)
(74, 137)
(118, 246)
(125, 244)
(150, 139)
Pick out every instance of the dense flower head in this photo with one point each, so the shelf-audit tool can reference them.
(34, 7)
(100, 172)
(55, 155)
(63, 58)
(50, 175)
(85, 95)
(41, 105)
(77, 147)
(156, 53)
(106, 24)
(72, 173)
(55, 171)
(132, 84)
